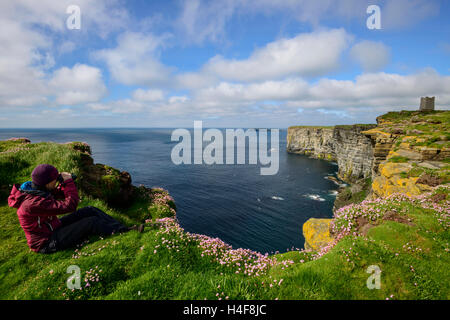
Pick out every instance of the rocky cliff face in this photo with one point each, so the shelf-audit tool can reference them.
(407, 152)
(411, 153)
(352, 150)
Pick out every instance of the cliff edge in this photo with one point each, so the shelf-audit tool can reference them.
(406, 152)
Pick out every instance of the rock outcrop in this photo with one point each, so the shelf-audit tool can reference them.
(352, 150)
(413, 152)
(407, 152)
(317, 233)
(102, 181)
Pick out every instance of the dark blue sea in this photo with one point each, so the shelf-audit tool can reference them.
(232, 202)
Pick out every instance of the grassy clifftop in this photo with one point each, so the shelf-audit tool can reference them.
(407, 238)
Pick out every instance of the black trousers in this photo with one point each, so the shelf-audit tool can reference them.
(79, 225)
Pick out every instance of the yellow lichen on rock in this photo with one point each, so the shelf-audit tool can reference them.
(423, 187)
(379, 184)
(375, 132)
(390, 181)
(405, 145)
(389, 169)
(403, 185)
(317, 233)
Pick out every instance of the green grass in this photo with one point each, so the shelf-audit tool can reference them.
(417, 171)
(16, 167)
(311, 127)
(362, 126)
(398, 159)
(344, 126)
(347, 197)
(169, 263)
(405, 115)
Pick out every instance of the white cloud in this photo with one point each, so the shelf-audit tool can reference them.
(22, 66)
(279, 102)
(177, 99)
(404, 13)
(80, 84)
(204, 20)
(372, 56)
(268, 90)
(194, 80)
(100, 17)
(368, 94)
(66, 47)
(199, 21)
(27, 53)
(135, 60)
(148, 95)
(378, 90)
(307, 54)
(123, 106)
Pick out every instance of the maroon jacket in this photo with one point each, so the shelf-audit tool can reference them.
(38, 213)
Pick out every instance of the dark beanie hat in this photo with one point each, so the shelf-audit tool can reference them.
(43, 174)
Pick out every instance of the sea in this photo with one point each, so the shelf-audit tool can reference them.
(233, 202)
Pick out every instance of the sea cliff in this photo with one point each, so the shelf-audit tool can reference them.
(405, 153)
(346, 145)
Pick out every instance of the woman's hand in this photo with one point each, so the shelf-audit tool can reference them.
(66, 175)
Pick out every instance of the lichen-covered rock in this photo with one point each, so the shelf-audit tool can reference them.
(317, 233)
(390, 180)
(405, 152)
(390, 169)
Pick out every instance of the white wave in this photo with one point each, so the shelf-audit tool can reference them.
(331, 178)
(315, 197)
(333, 192)
(277, 198)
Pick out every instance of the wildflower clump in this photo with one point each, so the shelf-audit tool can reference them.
(84, 286)
(349, 220)
(237, 261)
(161, 205)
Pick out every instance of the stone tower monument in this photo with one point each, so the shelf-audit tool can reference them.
(426, 104)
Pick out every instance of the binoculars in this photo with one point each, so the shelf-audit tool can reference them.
(61, 180)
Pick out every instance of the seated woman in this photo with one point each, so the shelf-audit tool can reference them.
(39, 202)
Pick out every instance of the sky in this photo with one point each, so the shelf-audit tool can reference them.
(228, 63)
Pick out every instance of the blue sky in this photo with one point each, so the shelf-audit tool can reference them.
(229, 63)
